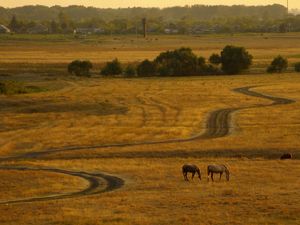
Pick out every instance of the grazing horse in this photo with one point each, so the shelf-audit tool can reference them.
(211, 169)
(189, 168)
(286, 156)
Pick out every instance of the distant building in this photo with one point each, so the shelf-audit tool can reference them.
(4, 29)
(295, 11)
(88, 31)
(171, 31)
(202, 29)
(38, 29)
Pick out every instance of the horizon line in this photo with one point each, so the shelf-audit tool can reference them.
(144, 7)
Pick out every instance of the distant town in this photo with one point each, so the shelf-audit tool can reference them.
(198, 19)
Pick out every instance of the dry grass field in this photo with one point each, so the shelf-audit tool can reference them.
(110, 150)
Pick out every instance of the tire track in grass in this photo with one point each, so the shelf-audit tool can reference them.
(165, 106)
(160, 109)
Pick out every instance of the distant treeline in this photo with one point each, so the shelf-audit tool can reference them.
(196, 12)
(174, 20)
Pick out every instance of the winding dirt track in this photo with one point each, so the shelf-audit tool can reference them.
(217, 126)
(95, 184)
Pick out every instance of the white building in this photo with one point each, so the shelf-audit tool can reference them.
(87, 31)
(4, 29)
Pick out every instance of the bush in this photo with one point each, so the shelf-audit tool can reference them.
(146, 68)
(130, 71)
(208, 69)
(235, 59)
(178, 62)
(201, 61)
(297, 67)
(215, 59)
(112, 68)
(14, 87)
(80, 68)
(278, 65)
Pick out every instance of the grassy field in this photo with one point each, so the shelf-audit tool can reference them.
(49, 54)
(142, 130)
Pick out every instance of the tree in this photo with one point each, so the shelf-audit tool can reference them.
(130, 71)
(297, 67)
(178, 62)
(278, 65)
(14, 25)
(112, 68)
(146, 68)
(80, 68)
(215, 59)
(63, 21)
(235, 59)
(54, 28)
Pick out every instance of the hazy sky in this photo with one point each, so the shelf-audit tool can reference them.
(145, 3)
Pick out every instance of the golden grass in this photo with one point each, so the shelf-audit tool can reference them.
(259, 192)
(129, 48)
(78, 112)
(33, 183)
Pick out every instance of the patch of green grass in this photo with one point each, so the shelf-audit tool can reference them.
(37, 37)
(295, 56)
(13, 87)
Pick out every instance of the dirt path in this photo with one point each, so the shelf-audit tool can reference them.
(95, 184)
(276, 100)
(217, 126)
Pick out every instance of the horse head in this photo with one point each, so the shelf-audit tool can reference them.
(227, 173)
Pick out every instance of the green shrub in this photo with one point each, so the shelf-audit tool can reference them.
(208, 69)
(201, 61)
(13, 87)
(80, 68)
(130, 71)
(215, 59)
(278, 65)
(112, 68)
(146, 68)
(179, 62)
(297, 67)
(235, 59)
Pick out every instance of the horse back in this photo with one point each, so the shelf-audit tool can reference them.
(189, 168)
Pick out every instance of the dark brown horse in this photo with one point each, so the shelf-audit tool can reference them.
(190, 168)
(286, 156)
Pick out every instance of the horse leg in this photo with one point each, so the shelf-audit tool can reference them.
(193, 174)
(184, 175)
(212, 176)
(220, 176)
(199, 175)
(208, 175)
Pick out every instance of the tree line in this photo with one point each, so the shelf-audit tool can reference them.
(198, 12)
(181, 20)
(231, 60)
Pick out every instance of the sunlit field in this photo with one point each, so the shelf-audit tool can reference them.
(110, 150)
